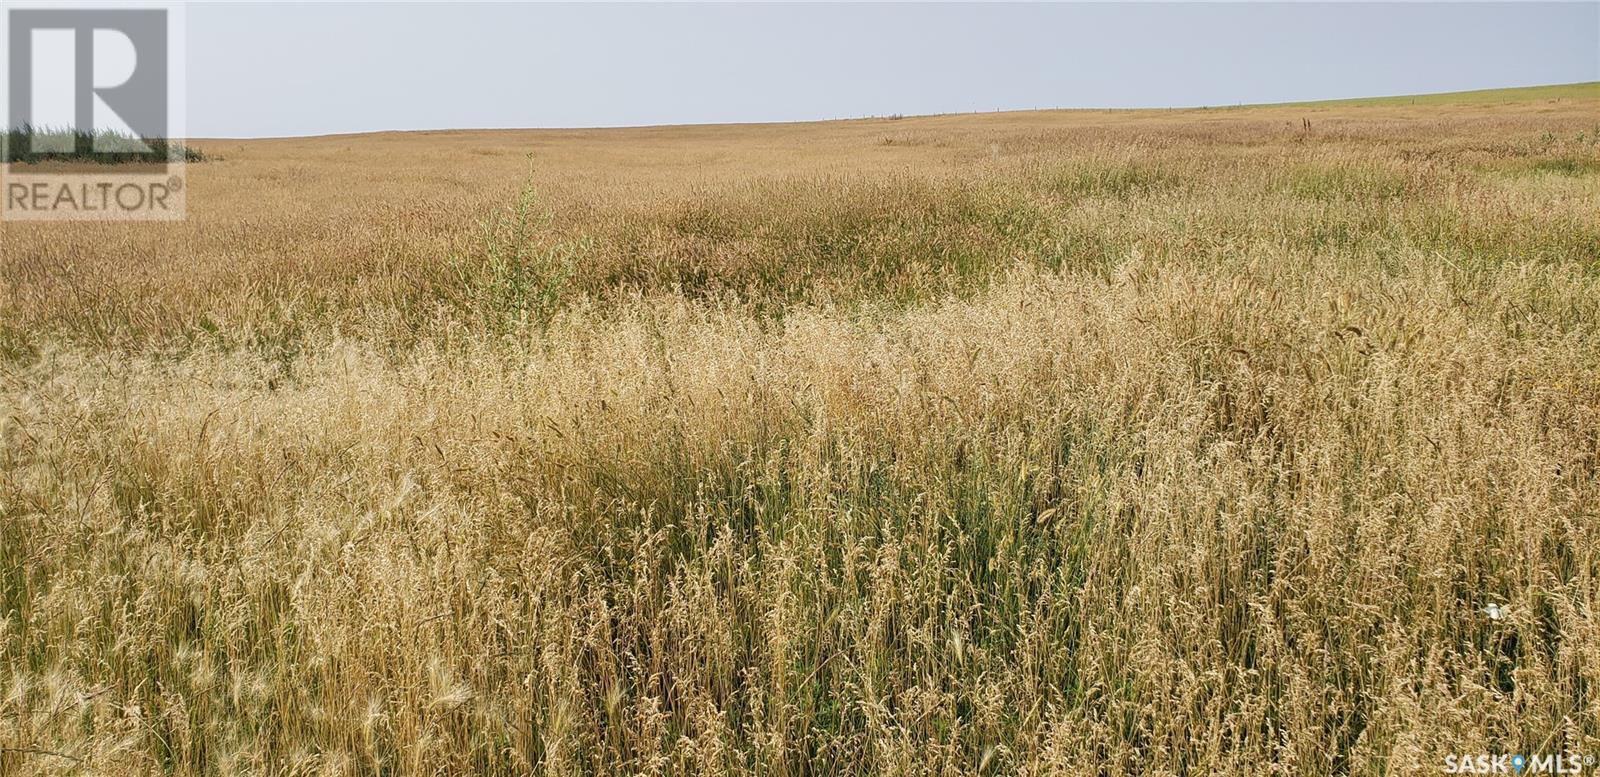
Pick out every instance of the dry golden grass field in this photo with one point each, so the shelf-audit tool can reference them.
(1164, 442)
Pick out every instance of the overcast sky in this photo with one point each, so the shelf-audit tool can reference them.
(282, 69)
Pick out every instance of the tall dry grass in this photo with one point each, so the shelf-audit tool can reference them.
(1126, 443)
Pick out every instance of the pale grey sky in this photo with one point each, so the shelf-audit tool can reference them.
(279, 69)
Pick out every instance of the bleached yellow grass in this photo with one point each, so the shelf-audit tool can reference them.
(1225, 493)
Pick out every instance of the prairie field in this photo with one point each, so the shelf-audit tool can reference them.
(1245, 440)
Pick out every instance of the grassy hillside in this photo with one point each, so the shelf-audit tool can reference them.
(1588, 91)
(1132, 442)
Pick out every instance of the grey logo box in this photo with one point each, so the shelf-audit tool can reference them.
(141, 101)
(78, 188)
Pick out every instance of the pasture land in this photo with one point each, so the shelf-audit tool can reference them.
(1187, 441)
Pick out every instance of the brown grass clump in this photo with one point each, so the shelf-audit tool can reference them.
(1171, 442)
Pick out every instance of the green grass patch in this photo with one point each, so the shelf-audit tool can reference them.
(20, 144)
(1568, 165)
(1344, 183)
(1114, 180)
